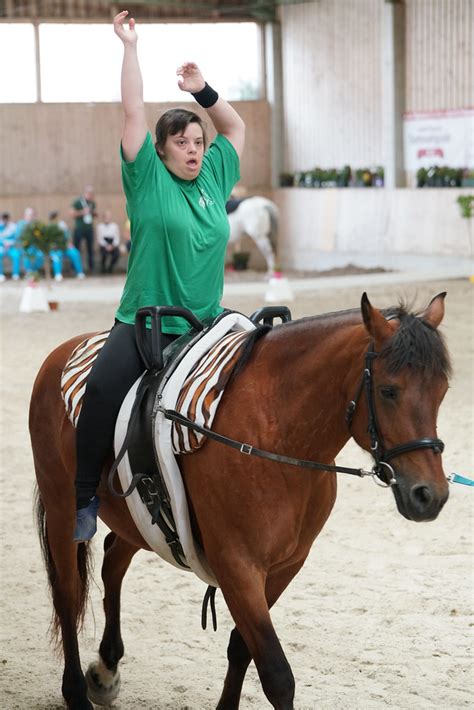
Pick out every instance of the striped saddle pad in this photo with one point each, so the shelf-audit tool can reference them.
(76, 372)
(199, 395)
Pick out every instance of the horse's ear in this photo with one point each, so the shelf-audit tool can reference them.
(375, 322)
(434, 314)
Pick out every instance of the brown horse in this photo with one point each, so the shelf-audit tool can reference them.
(304, 390)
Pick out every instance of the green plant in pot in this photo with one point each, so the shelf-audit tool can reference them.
(421, 177)
(344, 176)
(466, 205)
(286, 179)
(240, 260)
(44, 237)
(467, 178)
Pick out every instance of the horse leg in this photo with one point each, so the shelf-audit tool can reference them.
(239, 658)
(103, 676)
(263, 243)
(254, 630)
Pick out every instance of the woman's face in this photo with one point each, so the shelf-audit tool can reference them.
(183, 152)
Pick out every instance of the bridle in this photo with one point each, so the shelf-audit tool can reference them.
(381, 454)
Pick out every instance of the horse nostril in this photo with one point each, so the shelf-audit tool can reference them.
(421, 497)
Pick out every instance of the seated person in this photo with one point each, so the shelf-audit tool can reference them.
(9, 246)
(108, 238)
(32, 256)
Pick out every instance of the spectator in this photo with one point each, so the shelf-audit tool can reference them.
(84, 211)
(32, 256)
(9, 246)
(70, 252)
(108, 238)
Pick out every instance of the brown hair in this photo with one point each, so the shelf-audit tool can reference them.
(175, 121)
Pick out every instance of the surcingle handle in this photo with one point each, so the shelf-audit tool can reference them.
(267, 314)
(154, 359)
(209, 598)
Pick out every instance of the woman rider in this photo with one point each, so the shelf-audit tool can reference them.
(176, 194)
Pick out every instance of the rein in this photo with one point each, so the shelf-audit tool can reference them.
(250, 450)
(380, 454)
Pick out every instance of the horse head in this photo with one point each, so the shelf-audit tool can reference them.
(405, 381)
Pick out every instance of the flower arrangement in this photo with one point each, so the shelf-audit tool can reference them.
(45, 237)
(335, 177)
(436, 176)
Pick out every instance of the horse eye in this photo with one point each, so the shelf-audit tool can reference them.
(388, 392)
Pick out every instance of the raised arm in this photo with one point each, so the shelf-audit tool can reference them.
(135, 127)
(225, 119)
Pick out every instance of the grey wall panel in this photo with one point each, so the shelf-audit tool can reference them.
(332, 83)
(440, 57)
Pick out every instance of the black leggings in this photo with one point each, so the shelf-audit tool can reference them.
(117, 367)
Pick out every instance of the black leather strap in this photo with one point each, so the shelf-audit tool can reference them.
(436, 444)
(174, 416)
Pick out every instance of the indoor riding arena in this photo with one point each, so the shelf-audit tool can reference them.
(359, 130)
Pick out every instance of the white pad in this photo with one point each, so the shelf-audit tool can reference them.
(163, 444)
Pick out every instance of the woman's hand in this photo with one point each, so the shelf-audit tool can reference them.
(191, 78)
(127, 36)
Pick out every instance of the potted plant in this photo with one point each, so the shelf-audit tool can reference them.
(316, 175)
(430, 176)
(240, 260)
(421, 177)
(344, 176)
(298, 179)
(378, 176)
(466, 205)
(467, 178)
(286, 180)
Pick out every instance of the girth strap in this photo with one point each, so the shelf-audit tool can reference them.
(151, 488)
(209, 598)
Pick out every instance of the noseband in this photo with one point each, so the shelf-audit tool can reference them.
(381, 454)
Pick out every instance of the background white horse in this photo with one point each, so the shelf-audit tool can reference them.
(256, 217)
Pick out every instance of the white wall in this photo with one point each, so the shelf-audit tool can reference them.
(326, 228)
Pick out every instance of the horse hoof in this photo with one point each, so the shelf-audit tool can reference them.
(103, 686)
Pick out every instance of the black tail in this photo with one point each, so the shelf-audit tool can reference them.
(83, 569)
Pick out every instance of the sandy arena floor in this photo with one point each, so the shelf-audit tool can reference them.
(378, 617)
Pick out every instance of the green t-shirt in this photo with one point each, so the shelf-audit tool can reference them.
(179, 232)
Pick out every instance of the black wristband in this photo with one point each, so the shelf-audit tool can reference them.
(207, 97)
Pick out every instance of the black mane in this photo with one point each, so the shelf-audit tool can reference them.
(248, 346)
(415, 344)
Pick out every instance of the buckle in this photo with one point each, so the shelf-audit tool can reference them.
(149, 492)
(246, 449)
